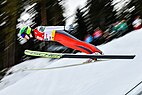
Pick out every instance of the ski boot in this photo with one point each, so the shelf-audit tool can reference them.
(93, 59)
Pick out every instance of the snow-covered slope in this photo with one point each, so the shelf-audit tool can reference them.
(112, 77)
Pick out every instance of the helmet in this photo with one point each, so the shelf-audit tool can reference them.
(26, 30)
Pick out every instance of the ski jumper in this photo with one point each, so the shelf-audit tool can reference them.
(59, 35)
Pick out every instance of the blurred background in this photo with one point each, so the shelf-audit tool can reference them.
(96, 22)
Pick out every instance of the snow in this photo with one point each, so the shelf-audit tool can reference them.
(110, 77)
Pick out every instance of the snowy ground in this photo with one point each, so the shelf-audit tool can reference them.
(111, 77)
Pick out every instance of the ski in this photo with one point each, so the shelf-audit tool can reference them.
(64, 55)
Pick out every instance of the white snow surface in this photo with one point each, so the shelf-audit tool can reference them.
(111, 77)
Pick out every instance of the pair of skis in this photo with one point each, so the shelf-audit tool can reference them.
(64, 55)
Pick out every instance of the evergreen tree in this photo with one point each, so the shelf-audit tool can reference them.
(137, 6)
(8, 32)
(81, 30)
(54, 12)
(101, 13)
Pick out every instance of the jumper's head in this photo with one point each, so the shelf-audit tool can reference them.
(26, 30)
(24, 34)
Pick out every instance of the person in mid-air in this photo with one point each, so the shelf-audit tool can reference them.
(53, 33)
